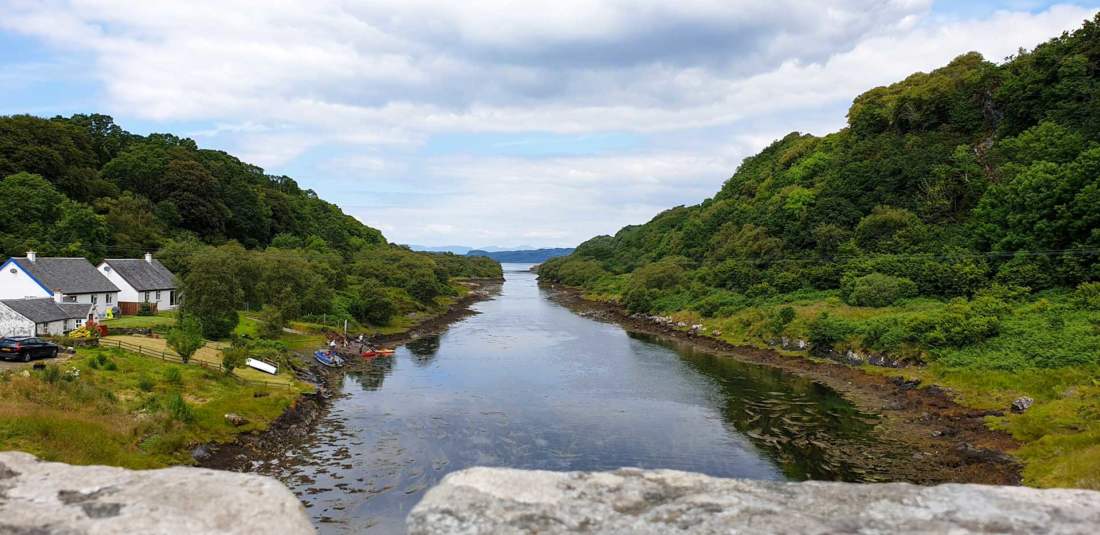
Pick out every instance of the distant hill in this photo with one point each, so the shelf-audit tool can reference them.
(523, 257)
(456, 249)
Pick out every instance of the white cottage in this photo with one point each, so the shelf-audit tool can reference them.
(65, 280)
(40, 316)
(142, 280)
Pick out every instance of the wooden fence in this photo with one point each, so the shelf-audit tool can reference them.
(171, 356)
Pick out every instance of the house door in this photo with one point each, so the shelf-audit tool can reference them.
(171, 298)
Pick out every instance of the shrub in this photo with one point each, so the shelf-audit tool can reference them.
(1087, 296)
(173, 376)
(1035, 272)
(720, 303)
(825, 332)
(145, 383)
(178, 408)
(372, 305)
(271, 322)
(51, 374)
(639, 300)
(779, 319)
(145, 309)
(877, 290)
(233, 358)
(186, 337)
(110, 366)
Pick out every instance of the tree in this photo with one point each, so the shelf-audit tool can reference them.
(211, 291)
(371, 305)
(185, 338)
(271, 322)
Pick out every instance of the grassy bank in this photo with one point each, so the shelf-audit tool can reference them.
(989, 350)
(105, 406)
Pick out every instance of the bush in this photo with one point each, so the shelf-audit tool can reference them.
(825, 332)
(173, 376)
(720, 303)
(1035, 272)
(271, 322)
(1087, 296)
(145, 383)
(233, 357)
(51, 374)
(372, 305)
(145, 309)
(185, 338)
(178, 408)
(779, 319)
(639, 300)
(877, 290)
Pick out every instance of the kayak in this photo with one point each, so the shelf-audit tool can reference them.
(377, 352)
(332, 361)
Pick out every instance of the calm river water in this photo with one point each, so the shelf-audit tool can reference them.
(527, 383)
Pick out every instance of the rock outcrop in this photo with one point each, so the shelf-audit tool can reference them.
(44, 497)
(497, 500)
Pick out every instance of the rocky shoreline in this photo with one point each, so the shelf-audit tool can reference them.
(296, 424)
(924, 436)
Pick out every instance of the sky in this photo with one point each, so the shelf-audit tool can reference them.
(493, 122)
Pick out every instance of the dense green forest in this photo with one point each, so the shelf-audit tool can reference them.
(955, 222)
(237, 237)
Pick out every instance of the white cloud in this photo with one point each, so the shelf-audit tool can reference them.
(702, 82)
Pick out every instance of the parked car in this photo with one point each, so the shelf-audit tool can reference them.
(25, 348)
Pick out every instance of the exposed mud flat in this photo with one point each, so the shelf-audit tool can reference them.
(923, 435)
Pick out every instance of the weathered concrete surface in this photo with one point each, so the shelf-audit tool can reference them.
(41, 497)
(496, 500)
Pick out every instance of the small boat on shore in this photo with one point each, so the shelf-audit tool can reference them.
(328, 359)
(381, 352)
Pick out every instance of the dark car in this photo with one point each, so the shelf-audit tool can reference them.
(25, 348)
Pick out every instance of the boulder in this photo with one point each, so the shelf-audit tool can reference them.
(236, 420)
(44, 497)
(500, 500)
(1022, 404)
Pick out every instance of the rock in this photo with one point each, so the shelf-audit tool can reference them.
(499, 500)
(43, 497)
(200, 453)
(1022, 404)
(235, 419)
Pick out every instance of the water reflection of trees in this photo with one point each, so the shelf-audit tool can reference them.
(424, 349)
(809, 429)
(373, 373)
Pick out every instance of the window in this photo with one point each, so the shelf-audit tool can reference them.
(108, 298)
(79, 322)
(95, 299)
(158, 295)
(146, 297)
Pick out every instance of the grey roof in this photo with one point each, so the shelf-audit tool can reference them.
(143, 275)
(45, 309)
(68, 275)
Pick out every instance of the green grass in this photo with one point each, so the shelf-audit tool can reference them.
(124, 417)
(161, 319)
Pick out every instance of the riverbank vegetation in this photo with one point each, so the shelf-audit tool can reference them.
(954, 224)
(106, 406)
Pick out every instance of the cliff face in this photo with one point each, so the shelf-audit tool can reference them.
(499, 500)
(43, 497)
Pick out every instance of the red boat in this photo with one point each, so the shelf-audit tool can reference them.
(383, 352)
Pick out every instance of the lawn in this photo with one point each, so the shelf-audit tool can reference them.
(112, 407)
(161, 319)
(210, 353)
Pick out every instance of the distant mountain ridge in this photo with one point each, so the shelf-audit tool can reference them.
(523, 257)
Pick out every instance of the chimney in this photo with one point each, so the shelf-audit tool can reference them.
(31, 256)
(149, 257)
(58, 297)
